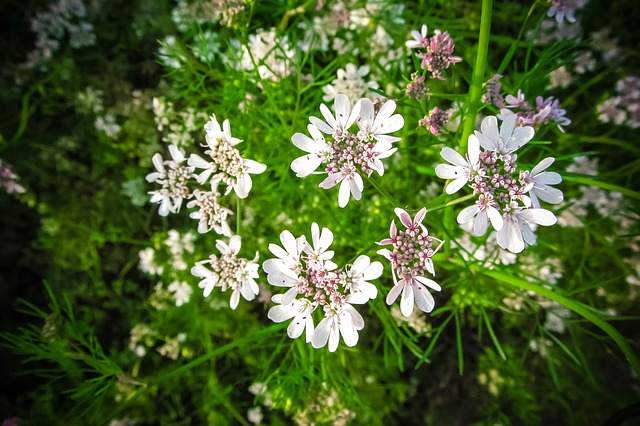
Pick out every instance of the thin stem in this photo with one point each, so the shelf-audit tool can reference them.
(478, 73)
(451, 203)
(384, 193)
(514, 45)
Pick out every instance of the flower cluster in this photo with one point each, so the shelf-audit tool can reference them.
(509, 199)
(227, 164)
(416, 88)
(436, 120)
(229, 271)
(173, 175)
(565, 9)
(623, 109)
(348, 151)
(273, 57)
(313, 282)
(350, 82)
(546, 111)
(492, 95)
(410, 259)
(9, 180)
(436, 52)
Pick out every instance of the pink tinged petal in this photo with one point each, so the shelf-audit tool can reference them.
(304, 166)
(489, 127)
(521, 136)
(528, 234)
(542, 166)
(280, 313)
(280, 279)
(289, 295)
(176, 154)
(508, 125)
(334, 336)
(321, 125)
(341, 106)
(549, 194)
(386, 138)
(540, 216)
(355, 113)
(474, 150)
(486, 143)
(496, 219)
(407, 301)
(548, 178)
(296, 327)
(348, 331)
(480, 224)
(321, 334)
(374, 271)
(447, 171)
(366, 113)
(420, 216)
(429, 283)
(394, 293)
(394, 230)
(316, 135)
(453, 157)
(428, 264)
(403, 216)
(357, 185)
(235, 299)
(467, 214)
(343, 195)
(303, 142)
(331, 181)
(424, 299)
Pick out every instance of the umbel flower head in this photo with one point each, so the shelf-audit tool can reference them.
(174, 177)
(314, 283)
(436, 51)
(229, 272)
(410, 259)
(227, 164)
(348, 154)
(506, 197)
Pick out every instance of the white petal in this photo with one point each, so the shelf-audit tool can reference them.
(331, 181)
(496, 219)
(280, 313)
(467, 214)
(548, 178)
(235, 299)
(549, 194)
(394, 293)
(407, 301)
(540, 216)
(176, 154)
(348, 331)
(321, 334)
(423, 298)
(198, 162)
(453, 157)
(343, 195)
(489, 128)
(429, 283)
(304, 166)
(542, 166)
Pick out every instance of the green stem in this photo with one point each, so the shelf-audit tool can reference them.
(475, 92)
(514, 45)
(451, 203)
(384, 193)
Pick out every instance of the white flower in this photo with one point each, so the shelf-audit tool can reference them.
(173, 180)
(508, 139)
(228, 166)
(413, 290)
(483, 211)
(211, 214)
(420, 39)
(339, 320)
(540, 181)
(147, 262)
(358, 277)
(377, 126)
(181, 292)
(298, 309)
(320, 242)
(345, 117)
(517, 229)
(317, 148)
(351, 183)
(229, 271)
(461, 170)
(350, 82)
